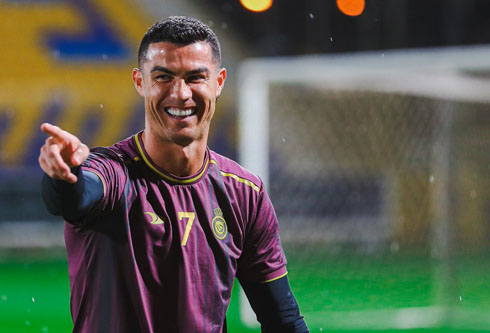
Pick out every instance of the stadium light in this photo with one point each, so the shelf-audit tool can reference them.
(256, 5)
(351, 7)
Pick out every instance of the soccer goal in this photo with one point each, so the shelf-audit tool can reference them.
(378, 166)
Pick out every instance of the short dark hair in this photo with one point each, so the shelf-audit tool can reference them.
(179, 30)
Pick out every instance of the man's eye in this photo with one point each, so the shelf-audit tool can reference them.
(163, 77)
(196, 78)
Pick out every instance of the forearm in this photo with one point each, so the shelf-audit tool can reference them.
(275, 306)
(72, 201)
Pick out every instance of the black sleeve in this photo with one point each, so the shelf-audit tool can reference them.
(72, 201)
(275, 306)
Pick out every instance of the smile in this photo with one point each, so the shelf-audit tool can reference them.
(176, 112)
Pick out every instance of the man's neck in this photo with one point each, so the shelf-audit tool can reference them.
(178, 160)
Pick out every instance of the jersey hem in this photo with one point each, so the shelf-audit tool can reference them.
(270, 277)
(276, 278)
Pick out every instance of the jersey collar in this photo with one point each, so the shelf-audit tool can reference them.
(164, 174)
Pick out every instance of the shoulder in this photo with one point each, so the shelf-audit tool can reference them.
(236, 173)
(112, 165)
(119, 154)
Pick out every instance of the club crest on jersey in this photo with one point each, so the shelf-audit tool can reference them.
(220, 228)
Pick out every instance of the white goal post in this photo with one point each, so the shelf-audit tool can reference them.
(445, 75)
(438, 72)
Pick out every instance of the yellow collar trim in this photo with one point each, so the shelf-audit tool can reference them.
(161, 174)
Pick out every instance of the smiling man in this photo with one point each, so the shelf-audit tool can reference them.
(158, 225)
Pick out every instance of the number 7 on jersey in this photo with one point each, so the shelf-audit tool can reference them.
(190, 216)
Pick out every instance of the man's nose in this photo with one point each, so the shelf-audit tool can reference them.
(181, 90)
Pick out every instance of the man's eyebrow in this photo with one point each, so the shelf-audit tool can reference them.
(200, 70)
(161, 69)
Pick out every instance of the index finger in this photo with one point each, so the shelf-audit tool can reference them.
(55, 131)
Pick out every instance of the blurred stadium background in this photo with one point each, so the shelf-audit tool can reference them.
(372, 133)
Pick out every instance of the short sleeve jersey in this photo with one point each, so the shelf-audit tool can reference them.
(160, 253)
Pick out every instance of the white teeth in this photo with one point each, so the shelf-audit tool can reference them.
(180, 112)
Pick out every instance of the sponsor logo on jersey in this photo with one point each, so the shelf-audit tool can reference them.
(155, 219)
(220, 229)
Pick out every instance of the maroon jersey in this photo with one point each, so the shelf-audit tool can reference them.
(159, 253)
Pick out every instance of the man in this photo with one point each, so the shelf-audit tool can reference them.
(158, 225)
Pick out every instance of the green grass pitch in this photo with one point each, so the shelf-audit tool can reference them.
(337, 292)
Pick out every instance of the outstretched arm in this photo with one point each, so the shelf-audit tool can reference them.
(275, 306)
(67, 190)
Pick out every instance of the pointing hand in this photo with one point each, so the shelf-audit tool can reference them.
(60, 152)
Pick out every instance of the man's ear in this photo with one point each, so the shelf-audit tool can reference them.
(221, 81)
(138, 81)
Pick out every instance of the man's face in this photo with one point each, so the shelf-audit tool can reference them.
(180, 85)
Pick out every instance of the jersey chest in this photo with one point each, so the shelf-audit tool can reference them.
(196, 221)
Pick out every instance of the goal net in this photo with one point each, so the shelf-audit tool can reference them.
(378, 167)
